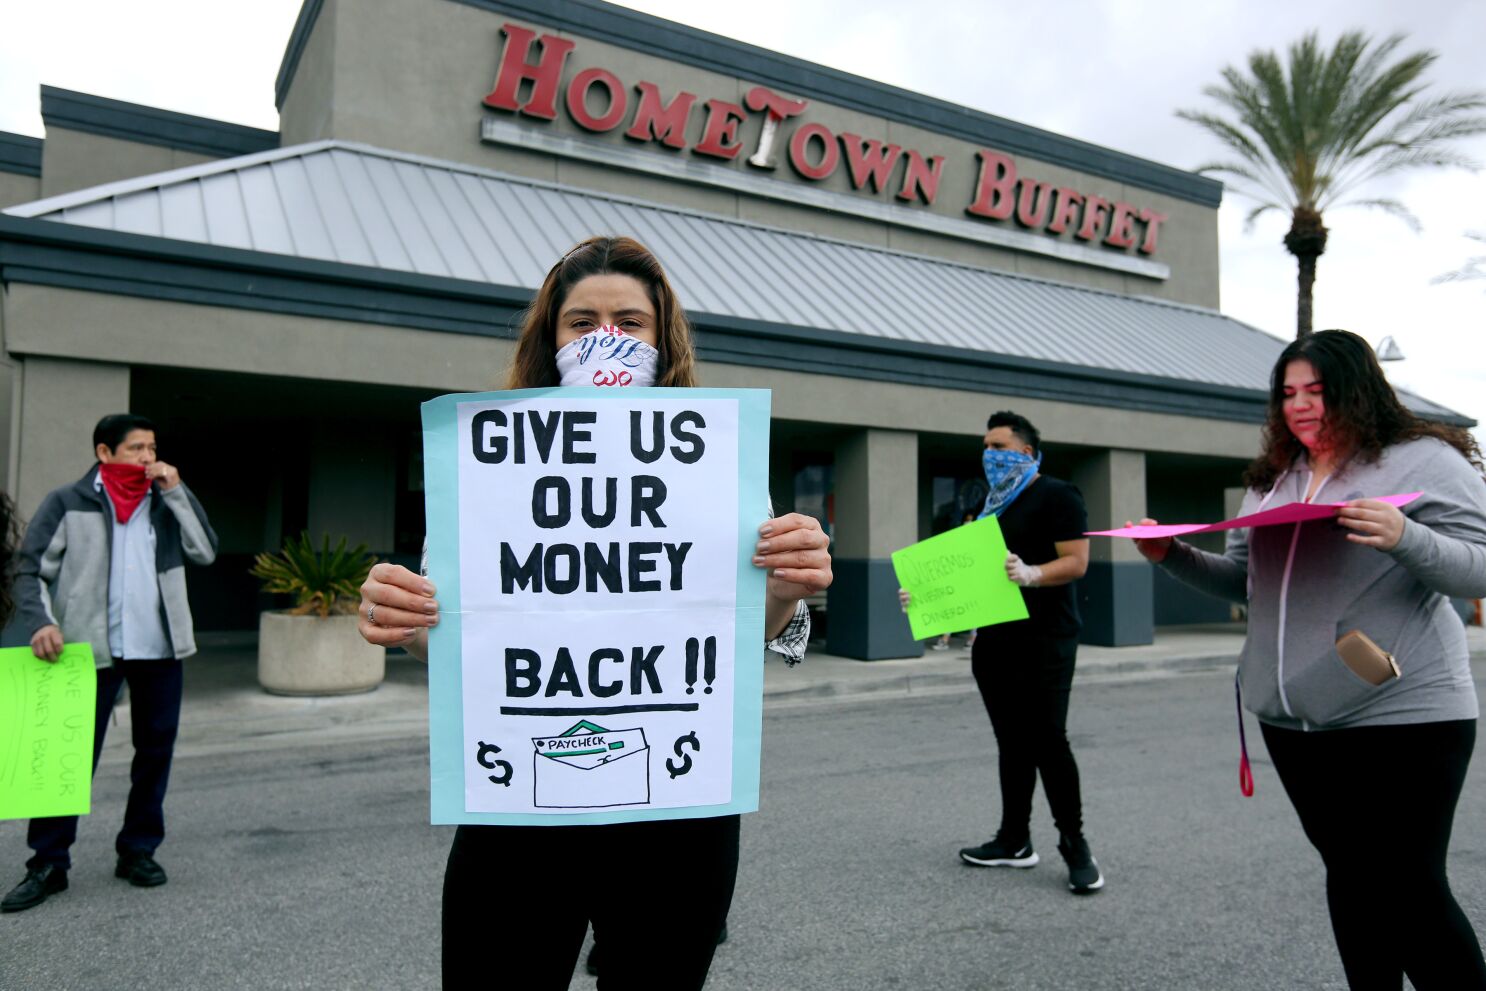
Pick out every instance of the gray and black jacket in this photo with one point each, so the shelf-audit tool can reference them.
(62, 575)
(1307, 586)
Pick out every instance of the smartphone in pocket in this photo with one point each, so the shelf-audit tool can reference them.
(1367, 660)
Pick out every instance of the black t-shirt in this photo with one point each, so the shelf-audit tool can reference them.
(1047, 512)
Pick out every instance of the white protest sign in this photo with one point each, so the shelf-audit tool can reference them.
(603, 633)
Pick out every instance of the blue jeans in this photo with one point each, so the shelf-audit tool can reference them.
(155, 704)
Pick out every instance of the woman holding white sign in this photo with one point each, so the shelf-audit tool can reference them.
(657, 892)
(1355, 662)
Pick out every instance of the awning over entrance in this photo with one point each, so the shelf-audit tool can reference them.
(929, 319)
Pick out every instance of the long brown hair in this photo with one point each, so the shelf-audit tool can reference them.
(1363, 414)
(535, 362)
(10, 544)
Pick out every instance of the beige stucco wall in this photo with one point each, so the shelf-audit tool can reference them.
(411, 76)
(308, 110)
(18, 189)
(77, 160)
(63, 323)
(61, 401)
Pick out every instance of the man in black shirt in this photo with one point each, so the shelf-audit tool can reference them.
(1025, 669)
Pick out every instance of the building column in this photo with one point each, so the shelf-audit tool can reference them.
(1115, 597)
(876, 487)
(61, 402)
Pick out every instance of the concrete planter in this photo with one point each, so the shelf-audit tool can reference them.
(307, 655)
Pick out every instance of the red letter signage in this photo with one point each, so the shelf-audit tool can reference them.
(616, 99)
(1065, 209)
(921, 178)
(544, 74)
(993, 196)
(799, 151)
(720, 135)
(529, 81)
(778, 109)
(1032, 203)
(654, 122)
(1153, 222)
(1094, 207)
(869, 161)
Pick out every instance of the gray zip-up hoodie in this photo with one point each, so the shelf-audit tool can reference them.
(62, 569)
(1307, 586)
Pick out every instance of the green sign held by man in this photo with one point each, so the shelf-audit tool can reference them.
(957, 581)
(46, 747)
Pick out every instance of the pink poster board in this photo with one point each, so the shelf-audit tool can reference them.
(1294, 512)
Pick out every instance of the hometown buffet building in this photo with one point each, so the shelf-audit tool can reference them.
(892, 266)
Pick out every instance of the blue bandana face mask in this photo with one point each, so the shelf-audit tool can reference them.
(1008, 473)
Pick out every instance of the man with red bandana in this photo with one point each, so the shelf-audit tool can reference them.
(103, 563)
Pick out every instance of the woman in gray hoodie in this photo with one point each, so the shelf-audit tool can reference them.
(1374, 771)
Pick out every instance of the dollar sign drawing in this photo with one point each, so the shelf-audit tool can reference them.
(671, 766)
(483, 758)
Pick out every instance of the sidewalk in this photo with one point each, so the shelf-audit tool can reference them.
(226, 711)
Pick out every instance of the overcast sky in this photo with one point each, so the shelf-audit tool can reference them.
(1107, 72)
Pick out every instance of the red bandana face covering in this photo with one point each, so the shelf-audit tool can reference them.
(126, 485)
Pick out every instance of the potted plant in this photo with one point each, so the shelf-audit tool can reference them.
(313, 648)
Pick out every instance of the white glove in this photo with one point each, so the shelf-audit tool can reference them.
(1021, 573)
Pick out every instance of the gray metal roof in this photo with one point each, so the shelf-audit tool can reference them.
(342, 202)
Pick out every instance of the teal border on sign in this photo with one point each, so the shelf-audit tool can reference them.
(445, 678)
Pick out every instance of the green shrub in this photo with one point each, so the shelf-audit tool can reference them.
(324, 581)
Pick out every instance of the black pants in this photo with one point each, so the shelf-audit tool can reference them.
(155, 714)
(517, 900)
(1025, 680)
(1378, 803)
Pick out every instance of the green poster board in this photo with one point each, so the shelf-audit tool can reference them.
(958, 581)
(46, 732)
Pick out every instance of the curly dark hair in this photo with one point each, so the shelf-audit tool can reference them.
(10, 544)
(1363, 414)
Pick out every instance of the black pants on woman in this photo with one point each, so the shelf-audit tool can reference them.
(1025, 679)
(1378, 803)
(517, 900)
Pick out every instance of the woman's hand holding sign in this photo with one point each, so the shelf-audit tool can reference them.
(797, 553)
(397, 608)
(1154, 550)
(1376, 524)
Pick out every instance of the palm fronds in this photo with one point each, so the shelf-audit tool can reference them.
(1307, 132)
(323, 582)
(1474, 268)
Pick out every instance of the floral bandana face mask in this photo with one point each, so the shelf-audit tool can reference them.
(1008, 473)
(607, 356)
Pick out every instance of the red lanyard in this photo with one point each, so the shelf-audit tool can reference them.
(1245, 772)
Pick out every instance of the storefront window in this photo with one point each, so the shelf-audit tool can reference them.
(954, 499)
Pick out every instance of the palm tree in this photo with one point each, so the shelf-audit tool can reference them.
(1308, 134)
(1474, 268)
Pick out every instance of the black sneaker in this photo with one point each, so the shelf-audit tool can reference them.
(34, 888)
(1083, 871)
(999, 853)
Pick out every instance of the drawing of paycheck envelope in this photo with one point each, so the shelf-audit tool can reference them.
(588, 767)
